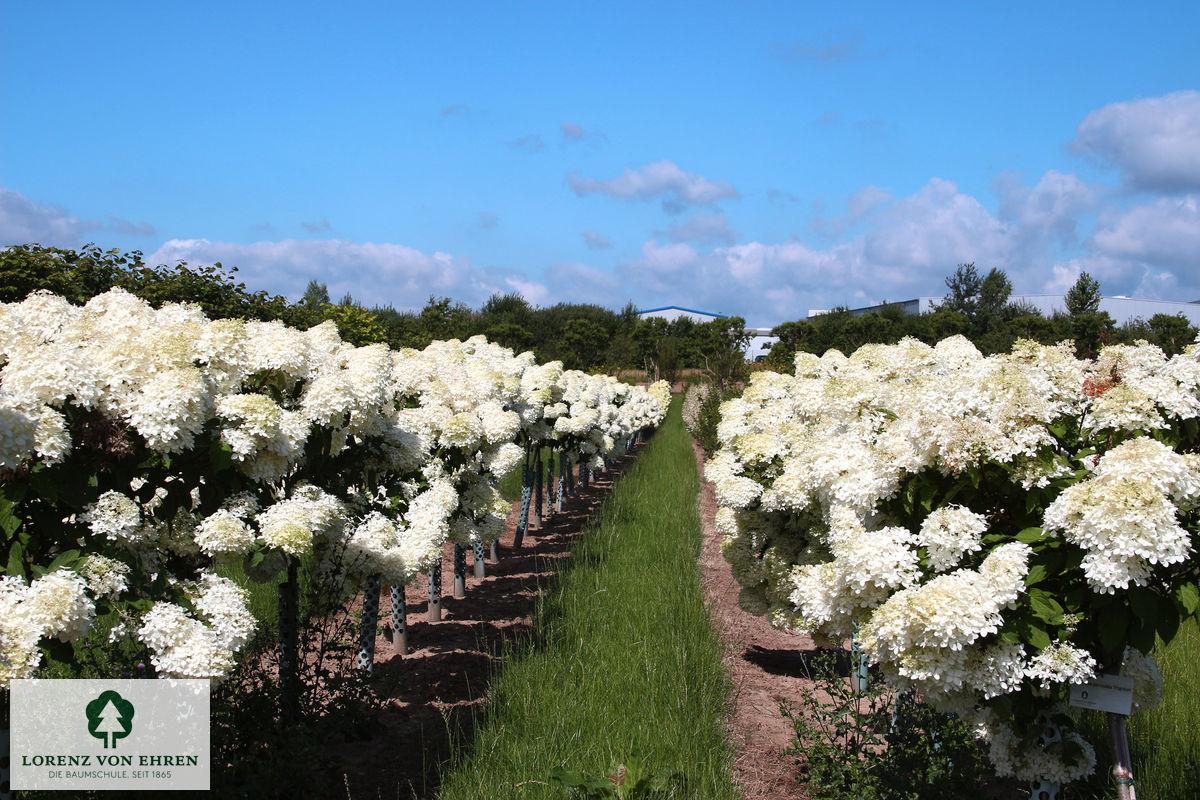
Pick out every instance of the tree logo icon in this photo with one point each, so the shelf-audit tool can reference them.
(110, 717)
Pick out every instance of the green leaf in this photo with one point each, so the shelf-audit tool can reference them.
(16, 560)
(9, 521)
(1030, 535)
(1037, 574)
(1033, 634)
(1045, 607)
(1112, 632)
(1141, 636)
(65, 560)
(1189, 597)
(1144, 604)
(220, 455)
(1168, 625)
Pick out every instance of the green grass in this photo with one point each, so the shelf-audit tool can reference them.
(1165, 742)
(623, 663)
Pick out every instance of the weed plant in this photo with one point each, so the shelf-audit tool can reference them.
(869, 745)
(623, 663)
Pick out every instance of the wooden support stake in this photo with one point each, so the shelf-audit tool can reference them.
(526, 494)
(289, 645)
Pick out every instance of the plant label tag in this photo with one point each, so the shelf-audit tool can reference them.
(1112, 693)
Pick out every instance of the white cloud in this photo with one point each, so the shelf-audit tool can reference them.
(830, 49)
(317, 227)
(574, 134)
(937, 227)
(859, 206)
(1155, 142)
(780, 197)
(705, 229)
(575, 282)
(1165, 233)
(661, 179)
(1048, 210)
(124, 227)
(24, 222)
(379, 273)
(534, 292)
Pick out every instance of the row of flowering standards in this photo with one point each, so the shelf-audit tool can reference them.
(141, 449)
(993, 530)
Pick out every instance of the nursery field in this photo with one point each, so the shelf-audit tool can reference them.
(458, 573)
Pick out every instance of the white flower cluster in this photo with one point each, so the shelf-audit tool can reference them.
(1125, 514)
(188, 647)
(416, 437)
(821, 478)
(55, 605)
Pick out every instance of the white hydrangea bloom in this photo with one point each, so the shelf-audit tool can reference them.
(115, 517)
(223, 533)
(1125, 514)
(1061, 662)
(58, 603)
(19, 632)
(948, 533)
(183, 647)
(105, 577)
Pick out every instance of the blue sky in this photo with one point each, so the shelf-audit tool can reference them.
(751, 158)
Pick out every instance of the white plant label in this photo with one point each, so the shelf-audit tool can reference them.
(1113, 693)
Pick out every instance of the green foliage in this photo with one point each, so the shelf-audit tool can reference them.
(264, 751)
(709, 418)
(627, 781)
(80, 275)
(1084, 296)
(873, 745)
(722, 345)
(355, 324)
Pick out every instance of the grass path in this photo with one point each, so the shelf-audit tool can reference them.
(623, 663)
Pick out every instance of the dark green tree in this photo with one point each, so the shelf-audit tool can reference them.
(315, 294)
(964, 286)
(1084, 297)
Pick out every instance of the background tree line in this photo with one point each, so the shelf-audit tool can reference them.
(582, 336)
(590, 337)
(979, 307)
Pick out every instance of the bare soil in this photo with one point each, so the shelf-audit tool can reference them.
(765, 665)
